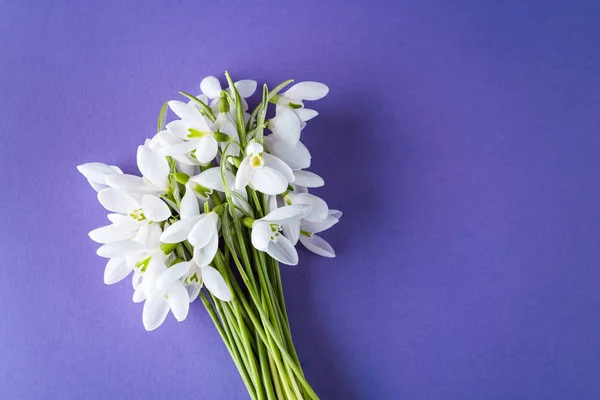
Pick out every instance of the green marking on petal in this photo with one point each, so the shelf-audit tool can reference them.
(307, 234)
(195, 133)
(143, 265)
(294, 106)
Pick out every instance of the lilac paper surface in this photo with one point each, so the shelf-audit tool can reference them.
(461, 140)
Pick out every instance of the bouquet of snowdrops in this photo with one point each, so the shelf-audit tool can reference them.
(219, 206)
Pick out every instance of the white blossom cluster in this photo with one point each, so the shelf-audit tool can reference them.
(166, 226)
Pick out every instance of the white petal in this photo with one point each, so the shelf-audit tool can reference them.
(307, 91)
(115, 232)
(189, 115)
(286, 125)
(335, 213)
(193, 291)
(179, 129)
(283, 251)
(317, 245)
(179, 231)
(207, 149)
(96, 172)
(308, 179)
(179, 301)
(155, 312)
(246, 87)
(215, 283)
(153, 166)
(316, 227)
(296, 157)
(120, 249)
(189, 205)
(116, 270)
(173, 273)
(287, 213)
(204, 255)
(211, 87)
(139, 293)
(291, 230)
(132, 184)
(254, 148)
(152, 240)
(211, 178)
(278, 165)
(180, 149)
(154, 208)
(261, 235)
(268, 181)
(306, 114)
(320, 210)
(204, 229)
(243, 174)
(117, 200)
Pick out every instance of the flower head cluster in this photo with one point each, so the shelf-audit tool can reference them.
(213, 167)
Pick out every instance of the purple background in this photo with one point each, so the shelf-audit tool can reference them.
(461, 140)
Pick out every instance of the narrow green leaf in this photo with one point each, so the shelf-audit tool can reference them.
(278, 88)
(162, 116)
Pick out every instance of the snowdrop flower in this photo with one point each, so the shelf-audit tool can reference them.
(195, 275)
(267, 173)
(295, 96)
(201, 230)
(315, 243)
(96, 174)
(125, 255)
(266, 232)
(132, 214)
(211, 87)
(295, 156)
(198, 138)
(154, 168)
(161, 296)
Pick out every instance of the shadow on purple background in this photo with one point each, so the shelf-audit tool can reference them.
(461, 140)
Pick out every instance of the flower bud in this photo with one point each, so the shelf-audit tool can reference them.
(223, 105)
(248, 221)
(168, 248)
(182, 178)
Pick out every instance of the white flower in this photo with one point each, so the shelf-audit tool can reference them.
(154, 168)
(315, 243)
(160, 295)
(196, 275)
(211, 87)
(133, 214)
(266, 232)
(301, 91)
(125, 255)
(267, 173)
(96, 174)
(307, 179)
(295, 156)
(201, 230)
(199, 141)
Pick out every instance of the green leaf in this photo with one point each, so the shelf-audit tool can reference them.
(239, 113)
(162, 116)
(278, 88)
